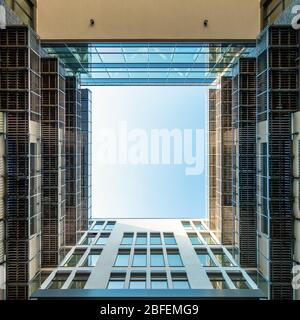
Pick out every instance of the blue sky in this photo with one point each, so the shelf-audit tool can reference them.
(152, 191)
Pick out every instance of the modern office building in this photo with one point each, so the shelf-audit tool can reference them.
(244, 161)
(53, 161)
(251, 61)
(20, 83)
(277, 99)
(2, 203)
(143, 258)
(296, 191)
(224, 149)
(86, 158)
(212, 149)
(73, 159)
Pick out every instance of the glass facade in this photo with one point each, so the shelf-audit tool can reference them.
(139, 258)
(149, 260)
(205, 258)
(147, 63)
(122, 259)
(74, 259)
(217, 280)
(174, 258)
(92, 258)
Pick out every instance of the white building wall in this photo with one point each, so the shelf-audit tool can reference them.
(99, 275)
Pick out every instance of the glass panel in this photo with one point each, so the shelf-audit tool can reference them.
(140, 260)
(223, 259)
(89, 239)
(91, 259)
(217, 281)
(116, 284)
(98, 225)
(239, 281)
(187, 225)
(137, 284)
(122, 260)
(79, 281)
(127, 239)
(195, 239)
(205, 259)
(74, 259)
(110, 225)
(208, 238)
(169, 239)
(159, 284)
(141, 239)
(157, 260)
(259, 280)
(155, 239)
(103, 238)
(58, 281)
(181, 284)
(174, 260)
(198, 225)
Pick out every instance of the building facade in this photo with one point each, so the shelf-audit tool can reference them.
(224, 149)
(73, 159)
(296, 192)
(53, 161)
(149, 254)
(86, 158)
(212, 149)
(244, 160)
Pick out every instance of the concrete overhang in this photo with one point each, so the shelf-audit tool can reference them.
(144, 20)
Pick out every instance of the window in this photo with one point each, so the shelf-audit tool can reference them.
(194, 239)
(174, 258)
(169, 239)
(159, 281)
(217, 281)
(222, 258)
(264, 222)
(58, 280)
(155, 239)
(79, 280)
(186, 225)
(110, 225)
(180, 280)
(116, 280)
(141, 239)
(205, 259)
(137, 280)
(92, 258)
(238, 280)
(127, 239)
(259, 280)
(208, 238)
(198, 225)
(122, 259)
(102, 240)
(98, 225)
(140, 258)
(74, 259)
(89, 239)
(157, 258)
